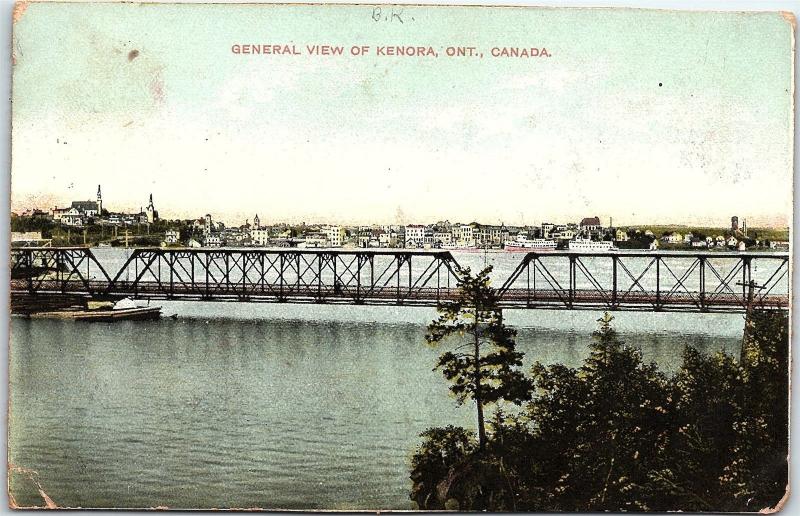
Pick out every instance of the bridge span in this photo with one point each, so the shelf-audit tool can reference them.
(645, 281)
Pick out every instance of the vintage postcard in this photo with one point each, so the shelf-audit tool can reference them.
(399, 257)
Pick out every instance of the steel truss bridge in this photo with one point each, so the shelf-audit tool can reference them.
(644, 281)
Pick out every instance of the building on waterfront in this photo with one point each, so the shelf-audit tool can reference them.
(564, 234)
(212, 240)
(464, 235)
(87, 208)
(69, 217)
(415, 236)
(387, 238)
(547, 229)
(335, 236)
(172, 236)
(259, 237)
(590, 224)
(315, 239)
(443, 238)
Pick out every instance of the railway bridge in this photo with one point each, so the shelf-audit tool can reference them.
(705, 281)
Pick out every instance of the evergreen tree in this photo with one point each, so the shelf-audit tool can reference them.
(485, 365)
(599, 428)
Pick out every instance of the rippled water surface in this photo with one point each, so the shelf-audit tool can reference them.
(275, 407)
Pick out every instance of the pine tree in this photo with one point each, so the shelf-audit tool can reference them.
(485, 365)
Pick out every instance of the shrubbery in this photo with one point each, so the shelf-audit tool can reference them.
(617, 434)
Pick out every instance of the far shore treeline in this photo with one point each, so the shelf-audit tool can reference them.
(614, 434)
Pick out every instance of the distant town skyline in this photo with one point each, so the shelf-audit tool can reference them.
(150, 206)
(686, 120)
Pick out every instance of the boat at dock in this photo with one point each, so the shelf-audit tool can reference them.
(124, 310)
(523, 245)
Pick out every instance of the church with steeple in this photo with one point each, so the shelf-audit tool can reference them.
(151, 212)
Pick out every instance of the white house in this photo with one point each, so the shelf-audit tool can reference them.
(336, 235)
(387, 238)
(415, 235)
(70, 217)
(172, 236)
(259, 237)
(443, 237)
(316, 240)
(672, 238)
(464, 235)
(732, 242)
(212, 240)
(566, 234)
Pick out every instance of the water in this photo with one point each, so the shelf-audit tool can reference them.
(272, 406)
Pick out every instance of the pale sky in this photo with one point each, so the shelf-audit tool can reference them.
(643, 116)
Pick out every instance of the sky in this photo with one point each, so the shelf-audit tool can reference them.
(644, 116)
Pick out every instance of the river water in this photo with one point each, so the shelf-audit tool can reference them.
(272, 406)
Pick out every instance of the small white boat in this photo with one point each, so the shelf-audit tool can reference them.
(124, 310)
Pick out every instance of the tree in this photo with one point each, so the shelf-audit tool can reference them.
(441, 449)
(599, 428)
(489, 370)
(758, 474)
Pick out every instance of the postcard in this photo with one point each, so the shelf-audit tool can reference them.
(399, 257)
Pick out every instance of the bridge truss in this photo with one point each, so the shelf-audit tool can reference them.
(652, 281)
(644, 281)
(257, 275)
